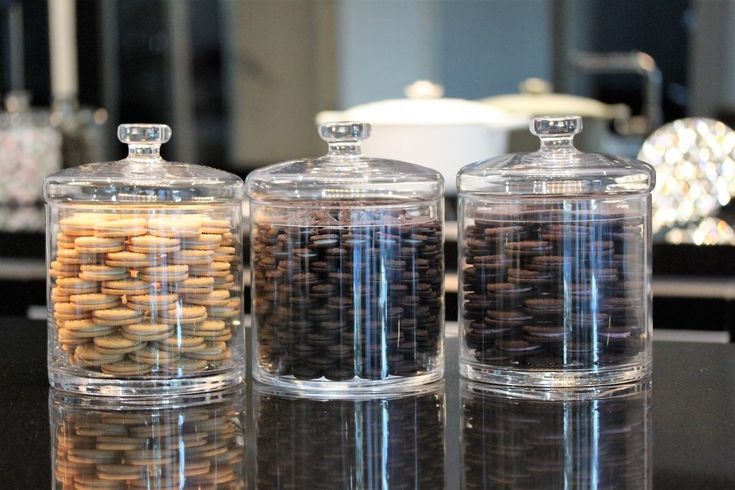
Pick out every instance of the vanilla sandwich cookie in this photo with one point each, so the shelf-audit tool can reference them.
(91, 456)
(58, 297)
(195, 285)
(118, 228)
(88, 355)
(228, 239)
(74, 285)
(186, 365)
(96, 245)
(215, 298)
(209, 450)
(122, 472)
(94, 301)
(126, 367)
(212, 351)
(193, 257)
(216, 476)
(150, 244)
(226, 282)
(174, 227)
(144, 332)
(225, 336)
(152, 303)
(70, 256)
(64, 241)
(92, 428)
(213, 269)
(184, 315)
(103, 273)
(193, 467)
(78, 225)
(116, 317)
(164, 273)
(67, 338)
(231, 309)
(215, 226)
(118, 443)
(93, 482)
(69, 311)
(86, 329)
(61, 267)
(150, 457)
(133, 259)
(224, 254)
(117, 344)
(129, 287)
(206, 328)
(181, 343)
(204, 241)
(154, 356)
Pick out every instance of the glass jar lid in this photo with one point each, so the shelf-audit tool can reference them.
(143, 177)
(557, 168)
(344, 176)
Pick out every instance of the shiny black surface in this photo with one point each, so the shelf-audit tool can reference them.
(450, 436)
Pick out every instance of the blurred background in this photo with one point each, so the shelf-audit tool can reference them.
(241, 83)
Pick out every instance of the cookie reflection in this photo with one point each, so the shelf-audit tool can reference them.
(366, 443)
(597, 442)
(97, 444)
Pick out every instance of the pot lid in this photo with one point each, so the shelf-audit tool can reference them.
(536, 98)
(424, 105)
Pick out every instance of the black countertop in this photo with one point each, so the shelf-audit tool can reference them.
(679, 434)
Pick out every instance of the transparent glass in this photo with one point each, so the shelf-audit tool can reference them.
(600, 440)
(555, 266)
(183, 444)
(347, 267)
(145, 274)
(376, 442)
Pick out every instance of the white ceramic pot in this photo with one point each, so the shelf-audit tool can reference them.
(441, 133)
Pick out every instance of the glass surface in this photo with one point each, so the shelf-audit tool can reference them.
(145, 274)
(108, 445)
(347, 267)
(599, 442)
(350, 443)
(555, 265)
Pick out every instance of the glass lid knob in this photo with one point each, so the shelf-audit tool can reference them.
(344, 137)
(556, 126)
(144, 140)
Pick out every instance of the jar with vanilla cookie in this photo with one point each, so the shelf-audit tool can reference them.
(144, 274)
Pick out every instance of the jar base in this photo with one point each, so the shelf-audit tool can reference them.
(352, 388)
(101, 386)
(552, 379)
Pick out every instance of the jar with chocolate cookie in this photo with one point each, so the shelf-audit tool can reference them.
(145, 274)
(347, 269)
(555, 265)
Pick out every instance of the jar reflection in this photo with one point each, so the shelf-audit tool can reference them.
(596, 442)
(192, 444)
(349, 443)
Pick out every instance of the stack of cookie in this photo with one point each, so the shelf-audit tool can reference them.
(182, 448)
(139, 294)
(546, 288)
(335, 302)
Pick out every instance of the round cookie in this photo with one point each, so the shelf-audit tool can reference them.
(66, 337)
(181, 343)
(147, 331)
(91, 456)
(121, 472)
(150, 244)
(164, 273)
(228, 239)
(126, 287)
(215, 226)
(226, 282)
(176, 227)
(117, 316)
(102, 273)
(231, 309)
(186, 365)
(193, 257)
(204, 241)
(94, 301)
(147, 457)
(64, 241)
(69, 311)
(117, 344)
(212, 351)
(70, 256)
(184, 314)
(152, 302)
(132, 259)
(153, 356)
(195, 285)
(205, 328)
(215, 298)
(126, 368)
(81, 224)
(118, 443)
(224, 254)
(213, 269)
(117, 228)
(96, 245)
(75, 285)
(92, 357)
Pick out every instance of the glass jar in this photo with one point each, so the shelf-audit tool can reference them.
(390, 441)
(144, 273)
(178, 442)
(347, 267)
(590, 440)
(555, 265)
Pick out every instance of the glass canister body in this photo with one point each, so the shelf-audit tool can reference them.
(144, 284)
(555, 286)
(347, 294)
